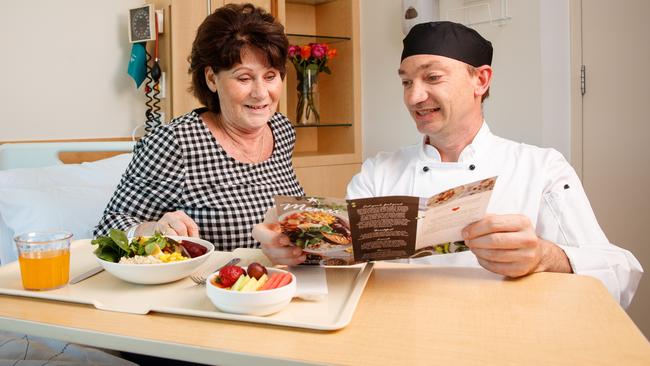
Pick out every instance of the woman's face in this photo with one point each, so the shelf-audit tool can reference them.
(248, 92)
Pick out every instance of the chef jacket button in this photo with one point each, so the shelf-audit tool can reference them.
(425, 169)
(472, 167)
(566, 186)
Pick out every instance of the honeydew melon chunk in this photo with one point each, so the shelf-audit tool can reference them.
(250, 286)
(241, 281)
(261, 282)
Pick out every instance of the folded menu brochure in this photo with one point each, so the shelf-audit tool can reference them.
(343, 232)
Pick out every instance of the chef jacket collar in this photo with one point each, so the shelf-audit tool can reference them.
(429, 152)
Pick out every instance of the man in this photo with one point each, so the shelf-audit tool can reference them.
(540, 218)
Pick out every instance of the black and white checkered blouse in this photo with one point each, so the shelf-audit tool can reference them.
(181, 166)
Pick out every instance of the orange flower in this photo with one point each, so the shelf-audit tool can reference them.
(313, 56)
(305, 51)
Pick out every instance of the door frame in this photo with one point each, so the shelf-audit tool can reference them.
(575, 29)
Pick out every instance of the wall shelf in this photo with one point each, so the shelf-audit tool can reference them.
(300, 39)
(322, 124)
(309, 2)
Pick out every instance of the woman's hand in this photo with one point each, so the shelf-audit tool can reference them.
(275, 245)
(171, 223)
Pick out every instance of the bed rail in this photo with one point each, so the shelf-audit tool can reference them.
(40, 154)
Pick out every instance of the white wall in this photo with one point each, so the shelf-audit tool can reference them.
(556, 75)
(63, 70)
(529, 98)
(386, 122)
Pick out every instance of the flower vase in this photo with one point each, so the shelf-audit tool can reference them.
(307, 107)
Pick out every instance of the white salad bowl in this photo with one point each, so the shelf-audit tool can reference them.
(261, 303)
(153, 274)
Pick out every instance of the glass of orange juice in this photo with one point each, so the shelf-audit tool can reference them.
(44, 259)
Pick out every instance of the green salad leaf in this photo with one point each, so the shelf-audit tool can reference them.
(312, 235)
(116, 245)
(112, 247)
(120, 239)
(150, 244)
(106, 249)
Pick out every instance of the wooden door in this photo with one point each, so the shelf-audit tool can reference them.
(186, 16)
(616, 129)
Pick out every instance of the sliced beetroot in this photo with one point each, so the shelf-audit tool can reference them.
(194, 249)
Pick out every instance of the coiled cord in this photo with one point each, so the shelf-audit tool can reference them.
(152, 90)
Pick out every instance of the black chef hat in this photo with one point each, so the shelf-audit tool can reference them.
(448, 39)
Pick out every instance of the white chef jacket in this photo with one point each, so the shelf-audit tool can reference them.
(532, 181)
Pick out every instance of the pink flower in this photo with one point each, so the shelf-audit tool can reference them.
(294, 51)
(318, 51)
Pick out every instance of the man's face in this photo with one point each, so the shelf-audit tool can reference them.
(439, 93)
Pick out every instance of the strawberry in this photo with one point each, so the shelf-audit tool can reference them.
(228, 275)
(217, 282)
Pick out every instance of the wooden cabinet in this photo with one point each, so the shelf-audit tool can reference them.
(327, 155)
(327, 180)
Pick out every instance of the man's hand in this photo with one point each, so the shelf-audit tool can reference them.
(171, 223)
(275, 245)
(508, 245)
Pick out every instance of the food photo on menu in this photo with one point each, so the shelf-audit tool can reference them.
(344, 232)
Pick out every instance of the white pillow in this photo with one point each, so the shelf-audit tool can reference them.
(70, 197)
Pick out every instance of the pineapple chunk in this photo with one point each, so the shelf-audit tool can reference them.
(241, 281)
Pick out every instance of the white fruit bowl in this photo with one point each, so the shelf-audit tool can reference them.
(153, 274)
(252, 303)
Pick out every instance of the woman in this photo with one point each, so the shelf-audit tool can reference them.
(214, 171)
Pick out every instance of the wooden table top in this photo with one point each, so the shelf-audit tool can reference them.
(408, 315)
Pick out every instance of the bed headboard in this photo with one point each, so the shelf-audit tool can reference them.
(40, 154)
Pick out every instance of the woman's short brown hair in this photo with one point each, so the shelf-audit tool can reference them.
(221, 39)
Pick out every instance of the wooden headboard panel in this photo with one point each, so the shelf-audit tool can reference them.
(45, 153)
(77, 157)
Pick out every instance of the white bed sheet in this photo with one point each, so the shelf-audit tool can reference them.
(38, 191)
